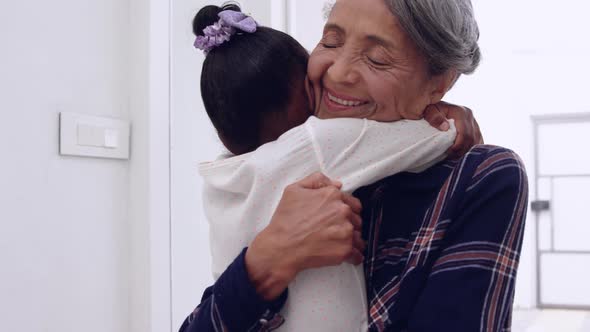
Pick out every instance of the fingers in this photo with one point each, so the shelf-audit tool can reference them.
(353, 202)
(338, 232)
(336, 184)
(356, 221)
(436, 117)
(358, 242)
(318, 181)
(353, 242)
(355, 257)
(354, 249)
(462, 145)
(466, 134)
(346, 215)
(456, 150)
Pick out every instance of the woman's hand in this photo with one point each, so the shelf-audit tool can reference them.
(468, 132)
(315, 225)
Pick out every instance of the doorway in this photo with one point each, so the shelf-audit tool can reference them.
(562, 200)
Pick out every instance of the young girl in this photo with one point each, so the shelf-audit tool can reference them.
(255, 92)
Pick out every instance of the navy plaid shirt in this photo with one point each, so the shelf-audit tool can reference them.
(442, 252)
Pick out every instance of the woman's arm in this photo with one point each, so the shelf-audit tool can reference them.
(233, 304)
(314, 225)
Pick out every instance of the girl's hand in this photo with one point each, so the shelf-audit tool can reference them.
(468, 132)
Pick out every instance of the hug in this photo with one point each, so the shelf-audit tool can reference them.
(351, 197)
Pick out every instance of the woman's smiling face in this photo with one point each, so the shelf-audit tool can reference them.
(365, 66)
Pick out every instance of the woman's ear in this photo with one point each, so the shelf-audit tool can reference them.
(442, 84)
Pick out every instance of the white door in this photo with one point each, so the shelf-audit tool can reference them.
(561, 210)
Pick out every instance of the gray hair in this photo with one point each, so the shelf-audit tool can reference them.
(445, 31)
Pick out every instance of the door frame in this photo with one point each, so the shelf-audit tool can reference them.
(539, 120)
(149, 168)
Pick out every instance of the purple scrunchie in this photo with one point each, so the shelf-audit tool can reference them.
(230, 21)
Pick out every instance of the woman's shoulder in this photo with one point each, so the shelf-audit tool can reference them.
(486, 165)
(490, 157)
(484, 170)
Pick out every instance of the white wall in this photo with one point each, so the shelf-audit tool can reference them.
(64, 228)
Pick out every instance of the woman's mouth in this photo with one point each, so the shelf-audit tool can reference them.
(337, 102)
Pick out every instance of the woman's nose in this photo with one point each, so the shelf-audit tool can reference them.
(343, 71)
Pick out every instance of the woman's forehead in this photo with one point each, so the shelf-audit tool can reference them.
(377, 10)
(367, 19)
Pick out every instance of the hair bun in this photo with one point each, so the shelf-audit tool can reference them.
(208, 15)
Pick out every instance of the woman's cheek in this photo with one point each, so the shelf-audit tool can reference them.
(319, 62)
(387, 95)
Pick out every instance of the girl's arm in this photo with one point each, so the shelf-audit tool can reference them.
(359, 152)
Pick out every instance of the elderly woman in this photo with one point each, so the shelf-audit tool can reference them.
(442, 245)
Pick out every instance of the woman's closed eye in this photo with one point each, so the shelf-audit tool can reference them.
(328, 45)
(378, 59)
(331, 40)
(377, 62)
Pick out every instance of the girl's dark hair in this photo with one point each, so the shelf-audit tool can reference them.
(247, 78)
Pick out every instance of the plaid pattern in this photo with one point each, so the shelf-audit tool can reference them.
(453, 266)
(232, 304)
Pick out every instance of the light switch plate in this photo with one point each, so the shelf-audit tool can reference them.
(91, 136)
(111, 138)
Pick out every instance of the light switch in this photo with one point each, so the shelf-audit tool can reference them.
(90, 136)
(111, 138)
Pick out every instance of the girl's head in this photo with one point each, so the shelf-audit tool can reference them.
(254, 85)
